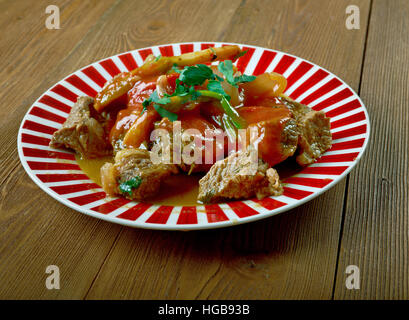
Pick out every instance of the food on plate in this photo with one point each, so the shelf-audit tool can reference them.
(237, 177)
(83, 131)
(188, 115)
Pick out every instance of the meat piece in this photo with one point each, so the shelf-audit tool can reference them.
(134, 175)
(240, 175)
(277, 132)
(315, 132)
(315, 137)
(82, 132)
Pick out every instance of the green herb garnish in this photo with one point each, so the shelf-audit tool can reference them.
(226, 67)
(191, 76)
(129, 185)
(158, 57)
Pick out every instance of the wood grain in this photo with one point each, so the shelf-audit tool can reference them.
(291, 256)
(36, 231)
(376, 229)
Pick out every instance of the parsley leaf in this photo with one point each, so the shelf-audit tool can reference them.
(244, 78)
(175, 68)
(226, 67)
(215, 86)
(129, 185)
(165, 113)
(196, 75)
(240, 54)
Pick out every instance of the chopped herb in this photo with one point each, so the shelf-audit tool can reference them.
(244, 78)
(165, 113)
(175, 68)
(196, 75)
(226, 67)
(216, 86)
(240, 54)
(129, 185)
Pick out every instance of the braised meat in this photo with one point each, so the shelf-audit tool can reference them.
(240, 175)
(315, 135)
(134, 175)
(82, 131)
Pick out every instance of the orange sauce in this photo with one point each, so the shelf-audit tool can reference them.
(177, 190)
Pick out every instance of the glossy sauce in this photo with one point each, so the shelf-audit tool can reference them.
(177, 190)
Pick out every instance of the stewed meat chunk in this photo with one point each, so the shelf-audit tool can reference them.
(134, 175)
(315, 135)
(239, 176)
(82, 132)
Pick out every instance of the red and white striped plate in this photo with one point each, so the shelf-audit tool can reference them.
(58, 174)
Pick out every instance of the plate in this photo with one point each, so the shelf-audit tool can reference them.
(58, 174)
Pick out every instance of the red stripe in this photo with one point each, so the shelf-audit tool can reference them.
(243, 61)
(28, 138)
(284, 64)
(64, 92)
(128, 60)
(324, 170)
(95, 76)
(310, 182)
(166, 51)
(338, 157)
(39, 153)
(161, 215)
(358, 143)
(34, 126)
(352, 105)
(54, 103)
(309, 83)
(108, 207)
(295, 193)
(52, 166)
(241, 209)
(38, 112)
(145, 53)
(264, 62)
(329, 86)
(81, 85)
(185, 48)
(135, 212)
(215, 213)
(88, 198)
(187, 215)
(349, 132)
(110, 67)
(204, 46)
(61, 177)
(343, 94)
(348, 120)
(269, 204)
(74, 188)
(302, 69)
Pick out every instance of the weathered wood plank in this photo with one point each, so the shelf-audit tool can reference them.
(376, 229)
(36, 231)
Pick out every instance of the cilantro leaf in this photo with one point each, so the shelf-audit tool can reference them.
(240, 54)
(226, 67)
(165, 113)
(244, 78)
(216, 86)
(175, 68)
(196, 75)
(129, 185)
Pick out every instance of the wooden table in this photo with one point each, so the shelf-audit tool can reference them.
(301, 254)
